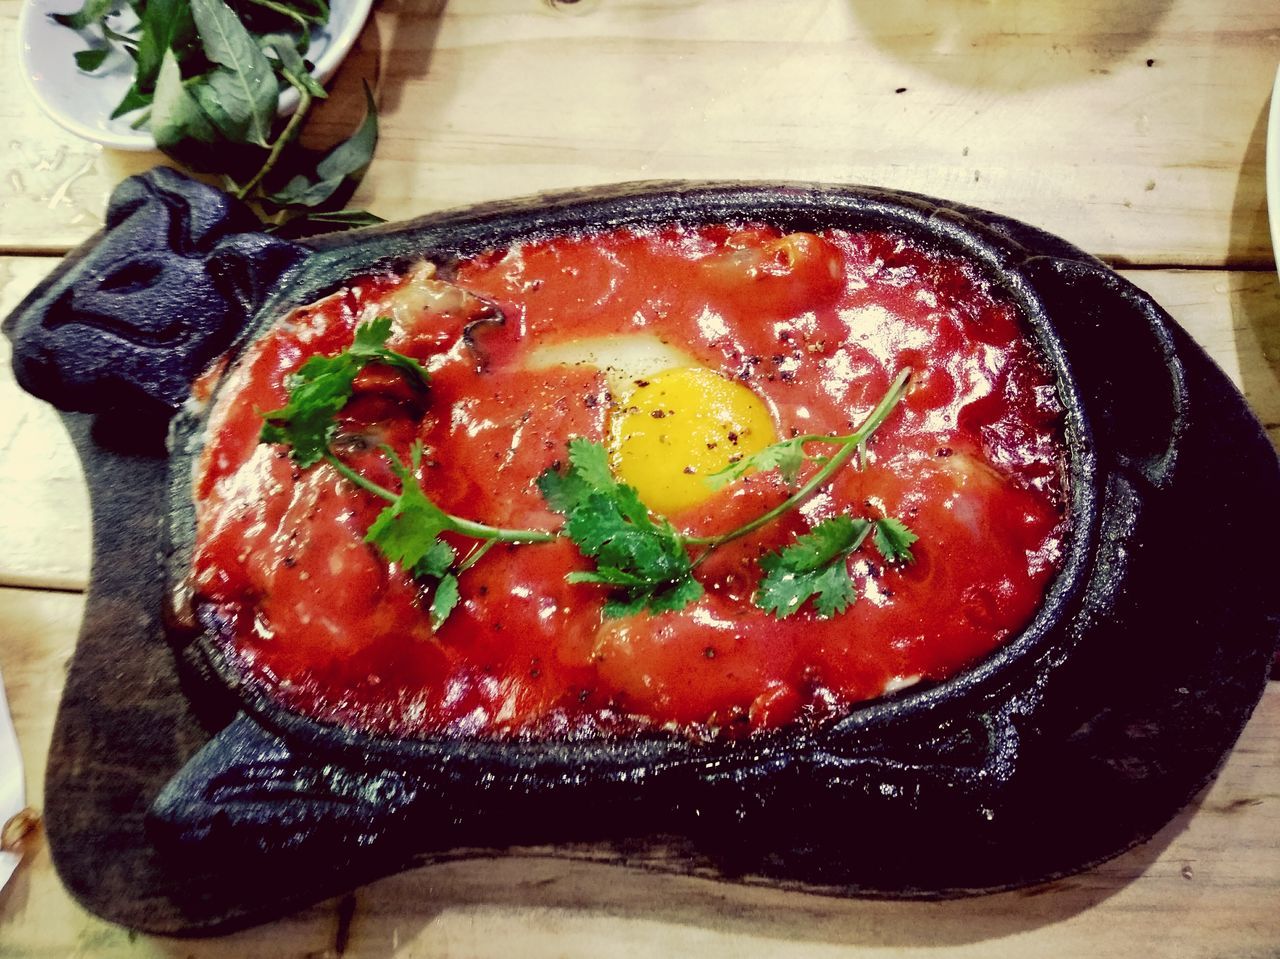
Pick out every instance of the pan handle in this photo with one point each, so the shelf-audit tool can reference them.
(127, 321)
(1124, 356)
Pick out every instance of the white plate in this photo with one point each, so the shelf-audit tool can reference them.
(1273, 168)
(82, 102)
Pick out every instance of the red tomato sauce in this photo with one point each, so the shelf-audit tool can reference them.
(972, 460)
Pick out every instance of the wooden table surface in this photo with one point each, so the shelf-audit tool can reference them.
(1134, 129)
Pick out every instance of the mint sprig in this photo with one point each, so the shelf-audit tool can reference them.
(207, 79)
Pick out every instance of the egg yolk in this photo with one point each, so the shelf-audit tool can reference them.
(681, 425)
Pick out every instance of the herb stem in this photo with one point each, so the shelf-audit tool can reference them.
(457, 524)
(499, 534)
(286, 136)
(476, 555)
(295, 15)
(849, 445)
(368, 485)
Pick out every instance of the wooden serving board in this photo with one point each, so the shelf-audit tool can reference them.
(127, 723)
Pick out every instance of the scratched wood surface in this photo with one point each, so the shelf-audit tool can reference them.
(1133, 129)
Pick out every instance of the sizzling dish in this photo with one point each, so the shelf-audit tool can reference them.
(714, 479)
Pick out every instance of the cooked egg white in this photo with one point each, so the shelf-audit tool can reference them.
(674, 421)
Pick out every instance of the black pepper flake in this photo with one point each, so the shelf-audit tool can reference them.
(290, 562)
(1151, 63)
(535, 673)
(689, 470)
(733, 438)
(658, 414)
(900, 90)
(483, 590)
(642, 383)
(709, 652)
(942, 451)
(711, 446)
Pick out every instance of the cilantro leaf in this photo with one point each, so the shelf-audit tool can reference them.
(893, 540)
(436, 561)
(321, 387)
(644, 561)
(405, 531)
(786, 456)
(444, 599)
(813, 566)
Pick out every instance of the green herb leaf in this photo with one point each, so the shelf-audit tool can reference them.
(435, 562)
(281, 46)
(644, 561)
(164, 25)
(129, 43)
(92, 12)
(786, 456)
(406, 531)
(893, 540)
(135, 99)
(90, 60)
(346, 161)
(321, 387)
(813, 566)
(444, 600)
(175, 114)
(240, 93)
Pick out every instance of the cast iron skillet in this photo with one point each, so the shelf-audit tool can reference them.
(1077, 739)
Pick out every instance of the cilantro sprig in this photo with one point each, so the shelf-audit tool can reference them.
(321, 387)
(789, 457)
(815, 566)
(644, 561)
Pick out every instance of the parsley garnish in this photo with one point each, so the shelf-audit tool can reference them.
(893, 540)
(321, 387)
(641, 557)
(816, 565)
(644, 561)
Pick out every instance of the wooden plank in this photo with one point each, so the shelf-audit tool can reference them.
(44, 506)
(1236, 318)
(1134, 130)
(1206, 886)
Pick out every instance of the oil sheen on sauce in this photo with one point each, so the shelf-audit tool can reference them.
(815, 326)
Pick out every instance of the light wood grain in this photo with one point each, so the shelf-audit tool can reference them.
(44, 506)
(1204, 887)
(1046, 110)
(1134, 129)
